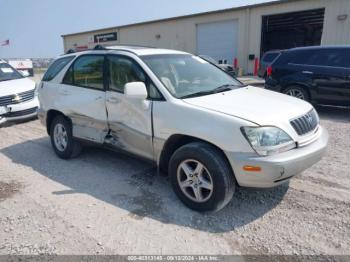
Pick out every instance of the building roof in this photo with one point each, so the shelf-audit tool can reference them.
(267, 2)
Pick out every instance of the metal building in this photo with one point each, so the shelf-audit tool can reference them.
(242, 32)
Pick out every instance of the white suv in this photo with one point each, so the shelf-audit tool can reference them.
(207, 130)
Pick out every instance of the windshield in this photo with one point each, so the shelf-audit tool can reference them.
(208, 58)
(7, 72)
(189, 76)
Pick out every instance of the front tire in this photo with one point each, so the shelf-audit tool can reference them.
(201, 177)
(63, 143)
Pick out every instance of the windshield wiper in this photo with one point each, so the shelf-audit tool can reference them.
(219, 89)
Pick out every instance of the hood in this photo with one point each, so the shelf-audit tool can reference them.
(256, 105)
(16, 86)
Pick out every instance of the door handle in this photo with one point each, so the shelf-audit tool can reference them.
(113, 100)
(308, 72)
(64, 92)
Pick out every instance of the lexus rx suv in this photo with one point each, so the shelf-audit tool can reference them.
(205, 129)
(18, 98)
(320, 75)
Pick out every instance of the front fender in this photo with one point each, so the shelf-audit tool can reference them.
(216, 128)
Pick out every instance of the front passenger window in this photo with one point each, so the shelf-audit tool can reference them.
(121, 71)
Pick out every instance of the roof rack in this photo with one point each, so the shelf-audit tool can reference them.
(70, 51)
(97, 47)
(101, 47)
(130, 45)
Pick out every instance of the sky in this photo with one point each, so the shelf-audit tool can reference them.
(34, 27)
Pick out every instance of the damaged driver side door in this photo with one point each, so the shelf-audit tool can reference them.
(129, 120)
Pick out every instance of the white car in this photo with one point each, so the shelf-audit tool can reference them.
(206, 130)
(17, 95)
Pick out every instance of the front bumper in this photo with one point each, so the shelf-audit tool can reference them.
(21, 111)
(279, 168)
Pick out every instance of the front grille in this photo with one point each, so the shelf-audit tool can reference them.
(306, 123)
(17, 98)
(21, 113)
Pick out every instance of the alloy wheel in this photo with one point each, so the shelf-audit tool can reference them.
(60, 137)
(295, 93)
(195, 181)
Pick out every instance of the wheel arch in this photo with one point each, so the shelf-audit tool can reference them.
(176, 141)
(301, 85)
(50, 116)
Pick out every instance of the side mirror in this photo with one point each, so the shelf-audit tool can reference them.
(136, 90)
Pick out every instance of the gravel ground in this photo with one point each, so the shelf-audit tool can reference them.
(108, 203)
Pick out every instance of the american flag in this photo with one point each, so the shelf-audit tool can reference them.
(6, 42)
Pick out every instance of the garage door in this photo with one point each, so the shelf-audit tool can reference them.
(218, 40)
(288, 30)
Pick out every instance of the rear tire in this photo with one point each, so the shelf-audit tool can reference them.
(63, 143)
(297, 92)
(201, 177)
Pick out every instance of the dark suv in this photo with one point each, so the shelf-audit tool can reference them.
(316, 74)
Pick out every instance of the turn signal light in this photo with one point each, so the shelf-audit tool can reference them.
(252, 168)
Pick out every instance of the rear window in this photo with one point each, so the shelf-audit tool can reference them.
(270, 57)
(56, 67)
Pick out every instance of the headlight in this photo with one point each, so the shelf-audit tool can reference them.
(268, 140)
(36, 90)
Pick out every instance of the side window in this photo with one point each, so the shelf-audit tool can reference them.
(56, 67)
(123, 70)
(153, 92)
(299, 57)
(345, 54)
(87, 71)
(321, 57)
(325, 57)
(68, 78)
